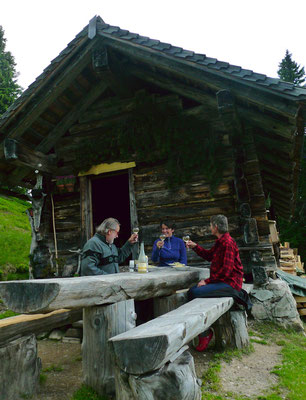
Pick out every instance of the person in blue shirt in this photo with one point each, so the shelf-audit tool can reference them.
(170, 250)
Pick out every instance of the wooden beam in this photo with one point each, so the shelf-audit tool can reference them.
(20, 154)
(173, 85)
(273, 144)
(228, 114)
(101, 66)
(60, 129)
(248, 91)
(14, 178)
(106, 109)
(21, 325)
(44, 295)
(43, 101)
(46, 144)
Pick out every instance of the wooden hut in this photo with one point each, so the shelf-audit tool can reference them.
(145, 130)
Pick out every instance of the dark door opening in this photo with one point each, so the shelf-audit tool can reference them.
(110, 198)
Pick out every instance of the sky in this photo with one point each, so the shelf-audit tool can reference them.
(253, 34)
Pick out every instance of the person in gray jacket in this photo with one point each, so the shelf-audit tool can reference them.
(100, 255)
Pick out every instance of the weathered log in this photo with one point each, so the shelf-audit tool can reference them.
(99, 325)
(231, 330)
(162, 305)
(44, 295)
(176, 380)
(181, 211)
(149, 346)
(21, 325)
(19, 369)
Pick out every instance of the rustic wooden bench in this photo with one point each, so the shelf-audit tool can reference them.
(151, 359)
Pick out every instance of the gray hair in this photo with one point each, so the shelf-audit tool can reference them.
(220, 221)
(107, 224)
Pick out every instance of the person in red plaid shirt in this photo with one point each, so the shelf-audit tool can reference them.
(226, 270)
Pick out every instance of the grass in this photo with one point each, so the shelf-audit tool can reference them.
(291, 371)
(53, 368)
(86, 393)
(15, 238)
(7, 314)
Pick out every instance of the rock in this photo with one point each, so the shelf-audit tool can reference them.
(56, 334)
(78, 324)
(262, 294)
(274, 302)
(74, 333)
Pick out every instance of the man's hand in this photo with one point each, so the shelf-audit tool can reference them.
(134, 238)
(201, 283)
(190, 244)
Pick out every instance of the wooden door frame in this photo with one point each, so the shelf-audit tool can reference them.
(86, 208)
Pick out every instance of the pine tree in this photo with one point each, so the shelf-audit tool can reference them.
(9, 88)
(290, 71)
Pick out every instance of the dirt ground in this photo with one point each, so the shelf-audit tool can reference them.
(60, 384)
(248, 376)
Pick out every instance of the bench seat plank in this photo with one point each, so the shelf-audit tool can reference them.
(21, 325)
(149, 346)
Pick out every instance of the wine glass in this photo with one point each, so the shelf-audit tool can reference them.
(186, 238)
(162, 237)
(136, 230)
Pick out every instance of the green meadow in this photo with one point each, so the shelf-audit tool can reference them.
(15, 238)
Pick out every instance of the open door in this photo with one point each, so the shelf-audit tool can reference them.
(110, 198)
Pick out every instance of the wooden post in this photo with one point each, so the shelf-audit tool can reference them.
(175, 380)
(162, 305)
(19, 368)
(133, 211)
(100, 323)
(86, 211)
(231, 330)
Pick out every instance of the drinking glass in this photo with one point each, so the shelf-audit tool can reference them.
(186, 238)
(136, 230)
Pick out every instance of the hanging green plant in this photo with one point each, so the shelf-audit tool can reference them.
(153, 132)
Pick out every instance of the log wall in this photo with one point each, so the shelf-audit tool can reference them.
(190, 206)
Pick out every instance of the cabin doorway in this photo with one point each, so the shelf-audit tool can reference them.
(110, 198)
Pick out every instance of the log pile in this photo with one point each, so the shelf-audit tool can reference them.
(301, 304)
(290, 261)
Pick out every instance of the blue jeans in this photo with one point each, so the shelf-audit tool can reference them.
(202, 291)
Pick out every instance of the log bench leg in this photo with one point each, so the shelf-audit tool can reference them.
(175, 380)
(231, 330)
(19, 368)
(162, 305)
(99, 324)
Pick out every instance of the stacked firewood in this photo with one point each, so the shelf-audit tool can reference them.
(301, 304)
(290, 261)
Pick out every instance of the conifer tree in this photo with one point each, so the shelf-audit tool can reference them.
(290, 71)
(9, 88)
